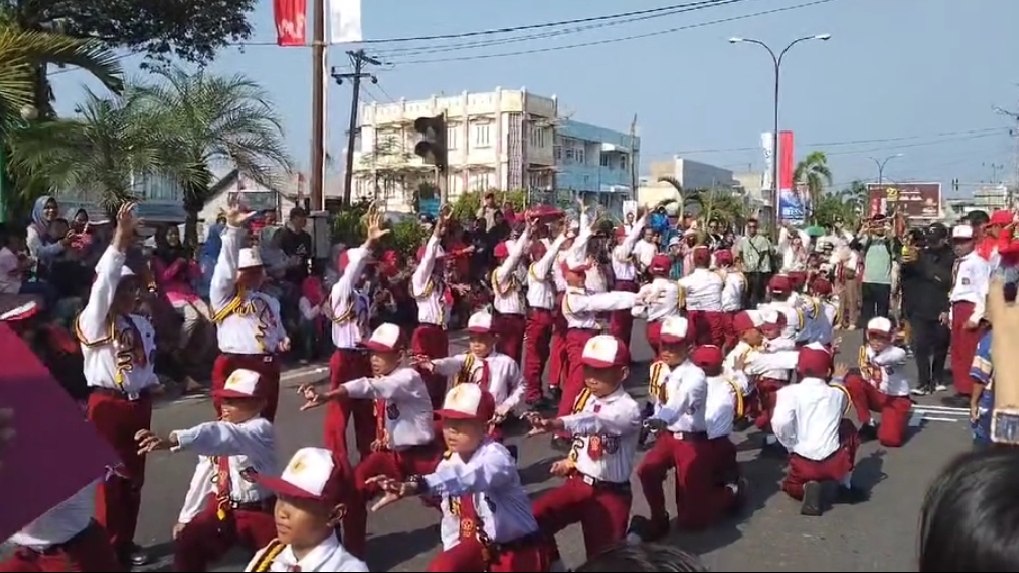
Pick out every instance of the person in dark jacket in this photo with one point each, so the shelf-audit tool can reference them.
(926, 279)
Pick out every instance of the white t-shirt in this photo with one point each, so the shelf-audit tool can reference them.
(10, 272)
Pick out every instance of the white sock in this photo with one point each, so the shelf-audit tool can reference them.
(847, 481)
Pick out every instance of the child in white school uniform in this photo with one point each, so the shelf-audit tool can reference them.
(487, 522)
(224, 507)
(310, 504)
(482, 364)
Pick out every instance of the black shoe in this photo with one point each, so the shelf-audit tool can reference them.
(868, 432)
(644, 530)
(812, 498)
(133, 556)
(851, 494)
(561, 444)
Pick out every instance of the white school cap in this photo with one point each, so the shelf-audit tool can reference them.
(385, 338)
(674, 330)
(248, 258)
(879, 325)
(962, 232)
(468, 402)
(313, 473)
(242, 383)
(605, 351)
(480, 323)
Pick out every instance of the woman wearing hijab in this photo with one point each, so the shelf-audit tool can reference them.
(40, 246)
(175, 272)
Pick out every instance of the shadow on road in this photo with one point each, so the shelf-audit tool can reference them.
(387, 551)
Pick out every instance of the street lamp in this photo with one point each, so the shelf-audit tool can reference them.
(777, 61)
(881, 166)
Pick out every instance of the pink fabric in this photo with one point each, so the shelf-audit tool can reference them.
(175, 280)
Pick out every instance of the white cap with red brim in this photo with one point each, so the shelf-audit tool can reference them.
(675, 330)
(468, 402)
(385, 338)
(312, 474)
(481, 323)
(605, 351)
(248, 258)
(962, 232)
(242, 383)
(880, 326)
(21, 312)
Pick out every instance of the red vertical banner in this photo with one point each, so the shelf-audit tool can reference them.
(791, 206)
(291, 22)
(786, 166)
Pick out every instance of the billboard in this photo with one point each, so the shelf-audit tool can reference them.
(914, 200)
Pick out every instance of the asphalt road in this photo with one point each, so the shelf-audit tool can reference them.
(770, 535)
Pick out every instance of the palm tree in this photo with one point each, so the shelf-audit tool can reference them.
(856, 196)
(210, 119)
(23, 53)
(685, 199)
(814, 174)
(102, 153)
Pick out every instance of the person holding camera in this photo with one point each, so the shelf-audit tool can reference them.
(927, 262)
(879, 252)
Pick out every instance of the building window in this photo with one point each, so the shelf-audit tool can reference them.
(557, 152)
(479, 182)
(604, 160)
(482, 134)
(623, 162)
(579, 155)
(452, 136)
(569, 155)
(537, 137)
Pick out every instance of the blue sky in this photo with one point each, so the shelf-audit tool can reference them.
(917, 77)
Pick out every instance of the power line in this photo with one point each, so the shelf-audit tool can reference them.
(617, 40)
(420, 50)
(511, 29)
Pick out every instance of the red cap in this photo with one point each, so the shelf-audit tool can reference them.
(1001, 217)
(780, 284)
(814, 361)
(708, 356)
(620, 231)
(723, 258)
(746, 320)
(314, 474)
(797, 279)
(660, 264)
(821, 286)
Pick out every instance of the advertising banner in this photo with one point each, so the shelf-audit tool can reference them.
(291, 22)
(914, 200)
(792, 206)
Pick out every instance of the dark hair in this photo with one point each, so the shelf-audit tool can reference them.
(970, 514)
(978, 217)
(642, 557)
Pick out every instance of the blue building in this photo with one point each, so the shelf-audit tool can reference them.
(596, 162)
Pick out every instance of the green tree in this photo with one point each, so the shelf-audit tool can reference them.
(855, 196)
(685, 199)
(830, 207)
(207, 119)
(723, 205)
(103, 152)
(467, 203)
(814, 174)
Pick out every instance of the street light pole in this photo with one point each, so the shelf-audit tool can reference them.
(881, 166)
(776, 59)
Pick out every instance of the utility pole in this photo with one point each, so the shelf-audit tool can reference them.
(318, 103)
(633, 158)
(358, 59)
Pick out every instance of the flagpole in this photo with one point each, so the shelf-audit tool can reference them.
(318, 103)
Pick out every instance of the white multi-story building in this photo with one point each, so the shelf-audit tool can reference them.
(501, 139)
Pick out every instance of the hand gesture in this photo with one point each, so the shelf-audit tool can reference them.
(235, 214)
(149, 442)
(393, 490)
(740, 364)
(312, 397)
(374, 223)
(283, 346)
(177, 528)
(539, 424)
(499, 417)
(561, 468)
(423, 362)
(840, 371)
